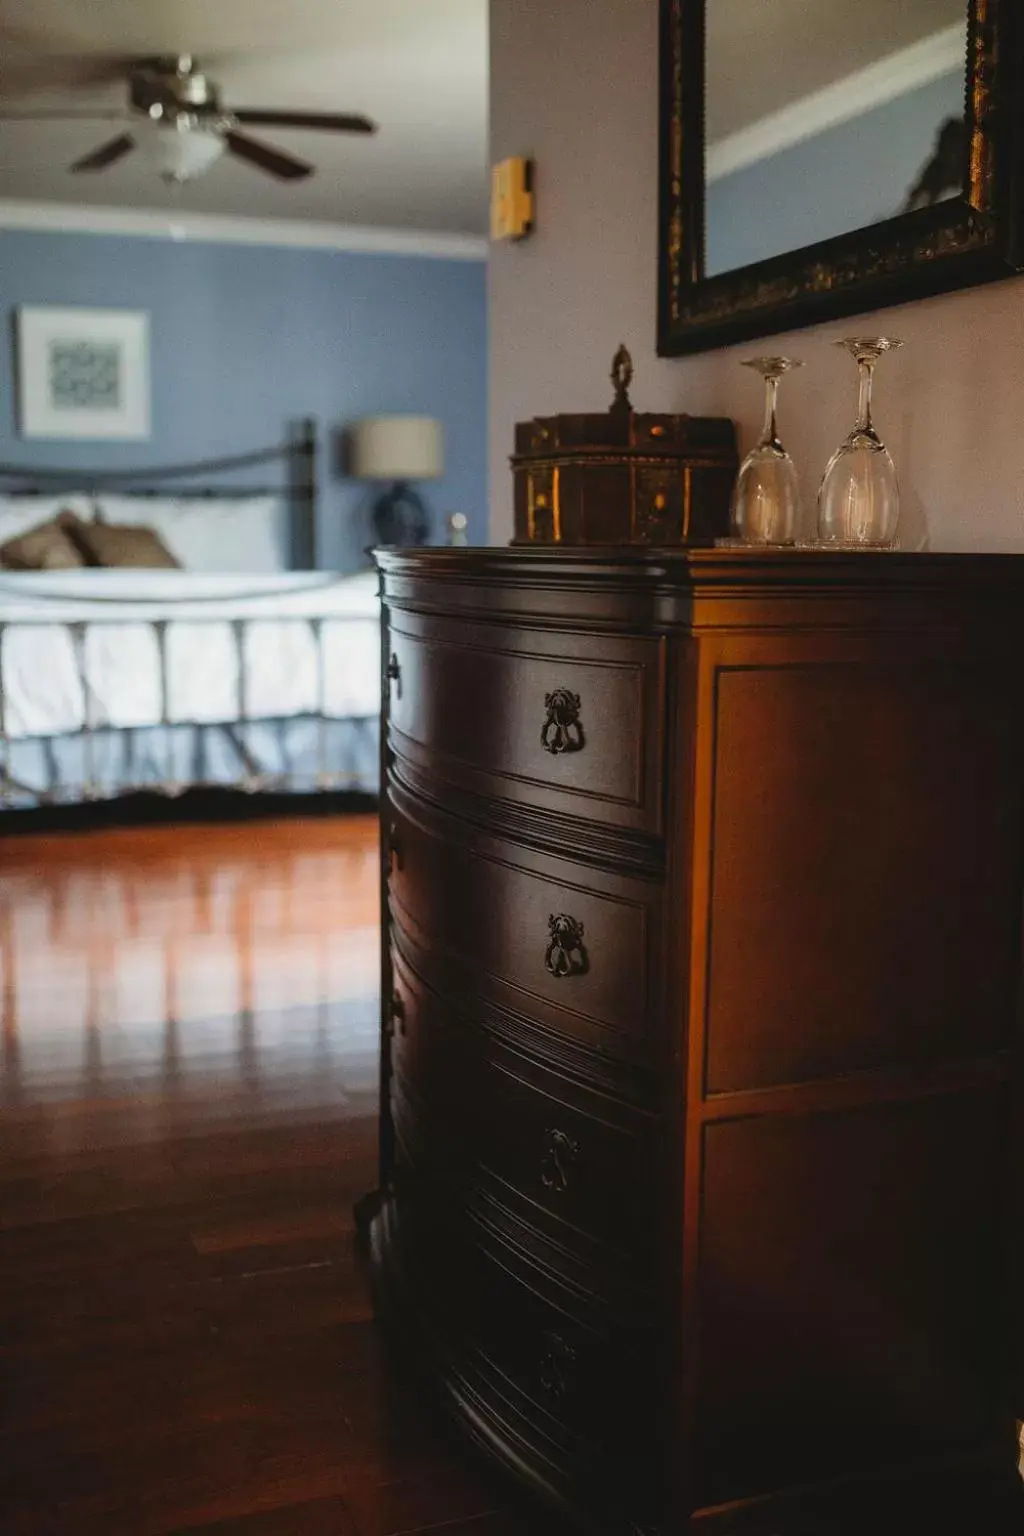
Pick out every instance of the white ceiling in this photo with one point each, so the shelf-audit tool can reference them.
(765, 54)
(417, 67)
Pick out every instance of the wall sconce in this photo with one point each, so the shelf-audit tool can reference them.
(512, 200)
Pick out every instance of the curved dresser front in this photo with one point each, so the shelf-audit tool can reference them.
(608, 1110)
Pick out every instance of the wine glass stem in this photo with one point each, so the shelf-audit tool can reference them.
(769, 432)
(867, 377)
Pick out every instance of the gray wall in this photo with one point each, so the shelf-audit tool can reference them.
(575, 84)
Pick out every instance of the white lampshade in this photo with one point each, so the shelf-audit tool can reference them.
(397, 448)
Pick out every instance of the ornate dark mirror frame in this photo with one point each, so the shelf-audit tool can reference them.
(955, 244)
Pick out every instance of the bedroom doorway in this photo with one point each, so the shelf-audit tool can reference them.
(189, 740)
(198, 329)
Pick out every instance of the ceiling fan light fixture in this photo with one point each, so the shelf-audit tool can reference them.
(183, 130)
(182, 148)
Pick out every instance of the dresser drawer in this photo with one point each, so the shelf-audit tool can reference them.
(435, 1146)
(542, 1368)
(426, 1051)
(574, 1164)
(567, 723)
(581, 1169)
(570, 947)
(552, 1352)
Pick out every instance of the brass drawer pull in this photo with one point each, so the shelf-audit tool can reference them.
(394, 673)
(562, 730)
(566, 954)
(557, 1366)
(556, 1168)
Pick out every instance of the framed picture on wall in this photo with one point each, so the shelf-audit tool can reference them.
(83, 372)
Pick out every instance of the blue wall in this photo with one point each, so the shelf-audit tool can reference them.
(837, 181)
(246, 338)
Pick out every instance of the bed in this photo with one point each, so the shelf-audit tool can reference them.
(236, 670)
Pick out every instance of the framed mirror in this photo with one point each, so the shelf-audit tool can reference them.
(823, 160)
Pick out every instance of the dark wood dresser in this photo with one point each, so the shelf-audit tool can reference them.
(703, 891)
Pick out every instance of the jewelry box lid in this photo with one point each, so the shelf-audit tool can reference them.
(623, 430)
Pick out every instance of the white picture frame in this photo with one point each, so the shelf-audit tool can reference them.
(83, 373)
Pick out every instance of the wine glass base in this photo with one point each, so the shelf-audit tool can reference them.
(735, 541)
(818, 546)
(845, 546)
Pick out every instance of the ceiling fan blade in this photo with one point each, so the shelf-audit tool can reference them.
(31, 60)
(55, 115)
(107, 154)
(58, 75)
(285, 167)
(332, 122)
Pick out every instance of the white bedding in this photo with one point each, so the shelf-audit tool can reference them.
(210, 533)
(222, 534)
(20, 513)
(44, 686)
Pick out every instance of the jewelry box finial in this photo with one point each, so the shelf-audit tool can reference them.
(622, 378)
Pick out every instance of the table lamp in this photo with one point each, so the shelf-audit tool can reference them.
(398, 449)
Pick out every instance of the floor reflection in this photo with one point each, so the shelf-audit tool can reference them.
(213, 971)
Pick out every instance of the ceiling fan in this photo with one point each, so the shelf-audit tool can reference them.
(179, 121)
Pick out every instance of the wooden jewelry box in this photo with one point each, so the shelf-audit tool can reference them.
(623, 477)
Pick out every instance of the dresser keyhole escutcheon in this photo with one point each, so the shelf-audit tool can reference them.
(566, 953)
(562, 730)
(559, 1158)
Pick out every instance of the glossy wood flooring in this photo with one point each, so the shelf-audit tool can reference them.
(187, 1113)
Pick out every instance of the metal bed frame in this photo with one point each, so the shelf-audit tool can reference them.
(298, 457)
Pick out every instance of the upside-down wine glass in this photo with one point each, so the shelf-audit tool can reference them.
(766, 497)
(859, 499)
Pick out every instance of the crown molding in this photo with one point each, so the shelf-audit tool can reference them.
(845, 99)
(155, 224)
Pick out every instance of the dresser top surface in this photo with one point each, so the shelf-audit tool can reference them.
(690, 571)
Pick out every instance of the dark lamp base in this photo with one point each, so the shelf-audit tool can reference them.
(401, 517)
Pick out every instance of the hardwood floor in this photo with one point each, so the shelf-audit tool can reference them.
(188, 1062)
(187, 1113)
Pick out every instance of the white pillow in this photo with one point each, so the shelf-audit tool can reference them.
(20, 513)
(244, 535)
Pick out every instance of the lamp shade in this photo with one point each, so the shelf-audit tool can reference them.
(397, 448)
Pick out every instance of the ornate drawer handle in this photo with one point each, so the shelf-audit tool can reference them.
(561, 1153)
(566, 955)
(398, 1013)
(558, 1366)
(394, 673)
(562, 731)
